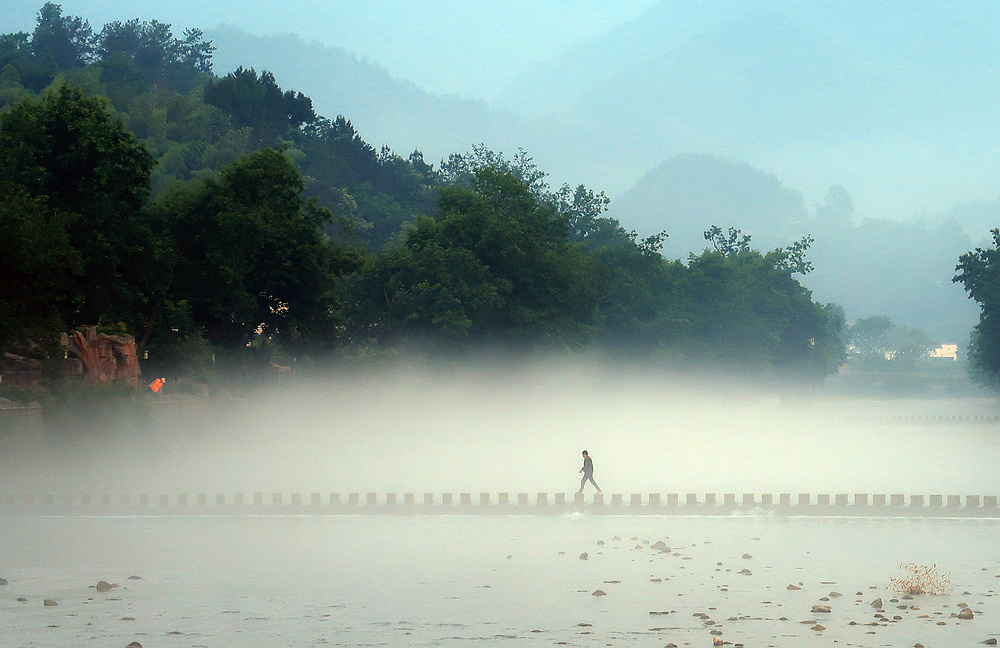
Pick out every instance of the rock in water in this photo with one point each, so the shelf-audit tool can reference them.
(585, 556)
(747, 556)
(104, 586)
(134, 644)
(660, 545)
(818, 628)
(877, 603)
(821, 608)
(3, 581)
(966, 614)
(792, 588)
(599, 593)
(49, 603)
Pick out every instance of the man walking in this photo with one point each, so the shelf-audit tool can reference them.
(588, 472)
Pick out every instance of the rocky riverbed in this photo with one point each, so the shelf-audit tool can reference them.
(448, 581)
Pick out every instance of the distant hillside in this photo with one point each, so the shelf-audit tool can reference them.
(902, 269)
(687, 194)
(383, 110)
(896, 101)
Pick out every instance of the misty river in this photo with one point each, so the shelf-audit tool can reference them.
(355, 580)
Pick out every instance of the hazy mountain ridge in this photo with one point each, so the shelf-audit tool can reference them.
(384, 110)
(902, 269)
(895, 103)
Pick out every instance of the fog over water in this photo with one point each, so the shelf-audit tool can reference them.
(521, 431)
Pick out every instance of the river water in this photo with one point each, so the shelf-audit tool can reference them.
(466, 580)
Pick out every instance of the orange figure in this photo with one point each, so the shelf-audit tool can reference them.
(157, 384)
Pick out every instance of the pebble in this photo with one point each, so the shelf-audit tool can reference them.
(49, 603)
(598, 593)
(584, 556)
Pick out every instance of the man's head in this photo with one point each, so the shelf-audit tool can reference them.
(585, 454)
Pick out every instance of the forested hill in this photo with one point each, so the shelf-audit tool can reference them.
(225, 225)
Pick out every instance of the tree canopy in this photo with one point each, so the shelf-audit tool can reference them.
(979, 272)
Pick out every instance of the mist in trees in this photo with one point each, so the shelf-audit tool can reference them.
(222, 221)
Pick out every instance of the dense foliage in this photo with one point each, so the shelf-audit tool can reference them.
(223, 218)
(979, 272)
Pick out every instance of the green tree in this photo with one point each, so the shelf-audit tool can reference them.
(748, 312)
(979, 272)
(66, 41)
(878, 343)
(250, 256)
(37, 265)
(257, 102)
(870, 336)
(161, 57)
(494, 266)
(64, 153)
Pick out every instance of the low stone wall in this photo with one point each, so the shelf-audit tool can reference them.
(784, 504)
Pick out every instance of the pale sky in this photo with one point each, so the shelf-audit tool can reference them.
(467, 48)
